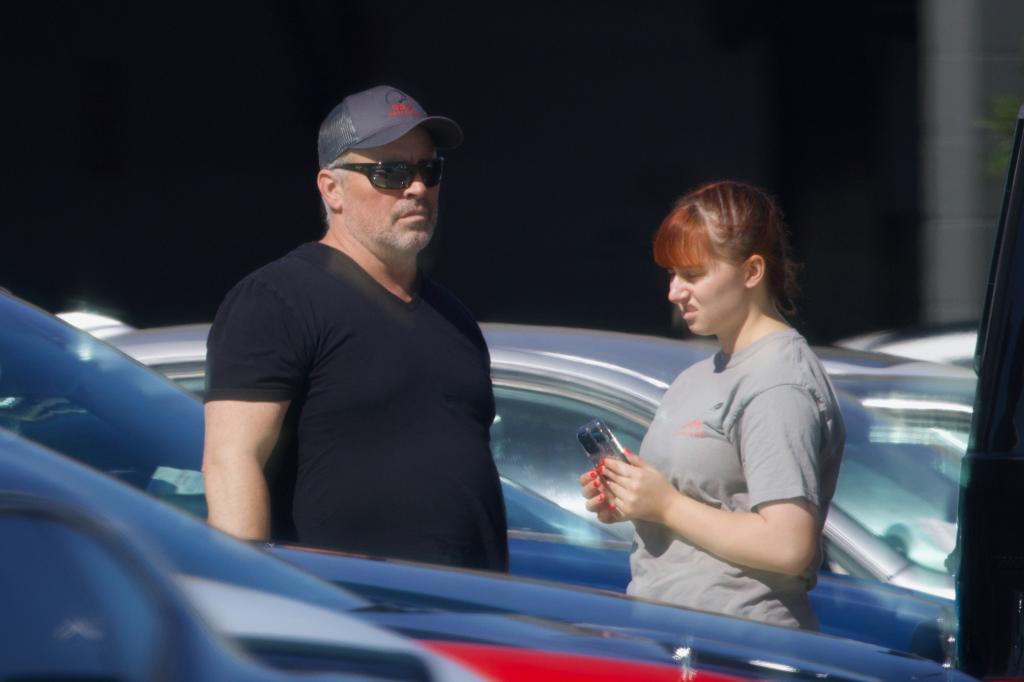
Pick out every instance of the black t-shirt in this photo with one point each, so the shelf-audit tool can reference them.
(385, 448)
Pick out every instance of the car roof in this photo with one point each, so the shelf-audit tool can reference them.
(952, 342)
(164, 345)
(907, 333)
(654, 357)
(663, 358)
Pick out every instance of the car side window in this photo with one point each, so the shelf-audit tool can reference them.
(533, 440)
(900, 470)
(70, 608)
(190, 376)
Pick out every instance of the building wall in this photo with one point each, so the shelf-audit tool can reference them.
(972, 57)
(155, 156)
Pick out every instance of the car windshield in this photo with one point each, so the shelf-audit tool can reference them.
(64, 389)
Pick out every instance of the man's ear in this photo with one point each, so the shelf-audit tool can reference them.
(330, 189)
(754, 270)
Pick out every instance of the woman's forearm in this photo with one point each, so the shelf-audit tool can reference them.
(780, 537)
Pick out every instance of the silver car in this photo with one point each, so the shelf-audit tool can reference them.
(893, 517)
(948, 343)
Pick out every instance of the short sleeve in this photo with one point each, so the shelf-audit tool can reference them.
(780, 439)
(255, 349)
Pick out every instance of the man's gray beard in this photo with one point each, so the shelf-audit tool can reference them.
(386, 242)
(405, 244)
(398, 241)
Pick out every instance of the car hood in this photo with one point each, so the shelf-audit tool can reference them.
(438, 594)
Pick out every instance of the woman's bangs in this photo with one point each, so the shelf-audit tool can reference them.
(681, 242)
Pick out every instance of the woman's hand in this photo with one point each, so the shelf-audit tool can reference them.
(593, 489)
(638, 490)
(780, 536)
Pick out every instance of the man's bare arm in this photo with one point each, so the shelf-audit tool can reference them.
(239, 439)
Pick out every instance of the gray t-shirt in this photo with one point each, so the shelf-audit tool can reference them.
(734, 432)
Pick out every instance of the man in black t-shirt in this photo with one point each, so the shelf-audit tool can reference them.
(349, 399)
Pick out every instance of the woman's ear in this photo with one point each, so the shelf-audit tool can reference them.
(753, 271)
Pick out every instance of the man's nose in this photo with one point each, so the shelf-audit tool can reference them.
(416, 188)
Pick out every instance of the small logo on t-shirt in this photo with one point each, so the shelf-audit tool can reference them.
(692, 429)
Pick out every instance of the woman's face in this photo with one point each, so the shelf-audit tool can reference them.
(712, 298)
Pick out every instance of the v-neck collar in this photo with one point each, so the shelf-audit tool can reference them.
(341, 266)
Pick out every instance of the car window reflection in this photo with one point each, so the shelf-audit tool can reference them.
(900, 471)
(74, 394)
(533, 440)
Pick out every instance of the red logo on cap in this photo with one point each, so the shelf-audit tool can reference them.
(402, 109)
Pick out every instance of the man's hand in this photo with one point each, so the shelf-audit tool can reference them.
(239, 439)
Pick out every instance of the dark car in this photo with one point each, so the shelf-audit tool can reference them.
(990, 579)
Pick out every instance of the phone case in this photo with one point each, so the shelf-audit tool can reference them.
(599, 442)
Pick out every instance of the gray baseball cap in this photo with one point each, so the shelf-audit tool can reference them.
(374, 117)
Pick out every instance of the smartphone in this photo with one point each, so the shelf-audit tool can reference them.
(599, 442)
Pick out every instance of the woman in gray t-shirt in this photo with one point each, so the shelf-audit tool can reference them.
(735, 475)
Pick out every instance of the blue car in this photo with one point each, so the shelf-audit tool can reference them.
(553, 544)
(436, 604)
(82, 600)
(70, 392)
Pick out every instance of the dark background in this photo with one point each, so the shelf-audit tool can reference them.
(153, 156)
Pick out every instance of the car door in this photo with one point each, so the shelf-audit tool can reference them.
(890, 493)
(77, 602)
(990, 580)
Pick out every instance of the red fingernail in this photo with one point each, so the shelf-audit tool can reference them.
(611, 505)
(593, 474)
(600, 469)
(603, 460)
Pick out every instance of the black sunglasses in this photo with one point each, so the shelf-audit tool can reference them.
(397, 174)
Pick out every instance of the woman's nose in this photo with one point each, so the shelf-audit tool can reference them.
(677, 290)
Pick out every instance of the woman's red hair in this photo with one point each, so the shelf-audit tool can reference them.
(732, 221)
